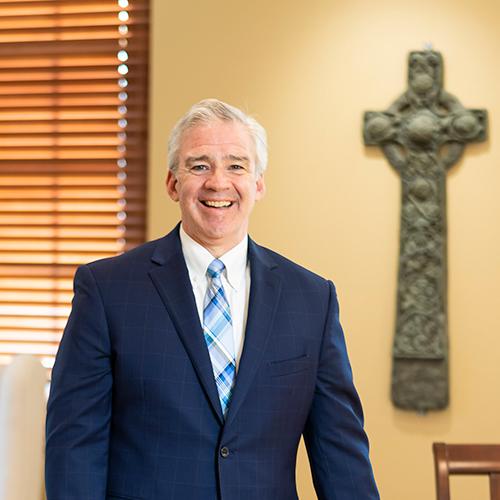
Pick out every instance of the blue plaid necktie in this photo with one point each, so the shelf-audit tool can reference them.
(218, 331)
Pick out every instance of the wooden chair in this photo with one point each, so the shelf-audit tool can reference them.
(22, 428)
(466, 459)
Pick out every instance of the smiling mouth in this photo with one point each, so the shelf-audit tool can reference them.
(217, 204)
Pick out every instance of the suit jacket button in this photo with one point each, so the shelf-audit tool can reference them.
(224, 452)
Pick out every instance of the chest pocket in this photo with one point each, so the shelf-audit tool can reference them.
(111, 496)
(289, 366)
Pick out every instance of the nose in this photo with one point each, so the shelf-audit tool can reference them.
(217, 180)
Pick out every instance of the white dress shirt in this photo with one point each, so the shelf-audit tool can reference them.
(235, 280)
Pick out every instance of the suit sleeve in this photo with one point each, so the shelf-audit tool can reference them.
(336, 443)
(79, 407)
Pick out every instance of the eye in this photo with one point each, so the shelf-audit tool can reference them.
(235, 166)
(199, 168)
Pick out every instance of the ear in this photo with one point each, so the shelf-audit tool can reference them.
(171, 184)
(261, 187)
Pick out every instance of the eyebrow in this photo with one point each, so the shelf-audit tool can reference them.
(237, 158)
(194, 159)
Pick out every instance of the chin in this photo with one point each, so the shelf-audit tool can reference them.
(221, 234)
(218, 234)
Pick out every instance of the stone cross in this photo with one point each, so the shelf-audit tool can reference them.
(422, 135)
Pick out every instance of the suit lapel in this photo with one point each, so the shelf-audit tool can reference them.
(265, 292)
(171, 279)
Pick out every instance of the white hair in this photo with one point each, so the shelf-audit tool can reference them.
(207, 111)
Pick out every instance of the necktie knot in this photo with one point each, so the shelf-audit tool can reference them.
(215, 268)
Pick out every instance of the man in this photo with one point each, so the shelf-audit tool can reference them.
(191, 366)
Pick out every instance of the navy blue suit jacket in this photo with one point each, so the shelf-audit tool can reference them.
(134, 412)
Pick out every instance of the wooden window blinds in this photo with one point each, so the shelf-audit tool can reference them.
(73, 121)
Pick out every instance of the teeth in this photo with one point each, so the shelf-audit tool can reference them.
(218, 204)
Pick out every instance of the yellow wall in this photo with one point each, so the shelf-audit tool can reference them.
(308, 71)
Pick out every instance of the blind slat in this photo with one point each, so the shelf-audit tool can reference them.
(73, 118)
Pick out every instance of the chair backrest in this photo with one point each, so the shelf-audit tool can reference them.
(466, 459)
(22, 417)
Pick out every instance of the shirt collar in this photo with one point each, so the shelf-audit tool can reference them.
(198, 258)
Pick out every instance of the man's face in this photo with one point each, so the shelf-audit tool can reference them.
(216, 184)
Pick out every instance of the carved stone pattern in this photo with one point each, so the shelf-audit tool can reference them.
(420, 384)
(422, 135)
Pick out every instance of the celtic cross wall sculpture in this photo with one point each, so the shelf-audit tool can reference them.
(422, 135)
